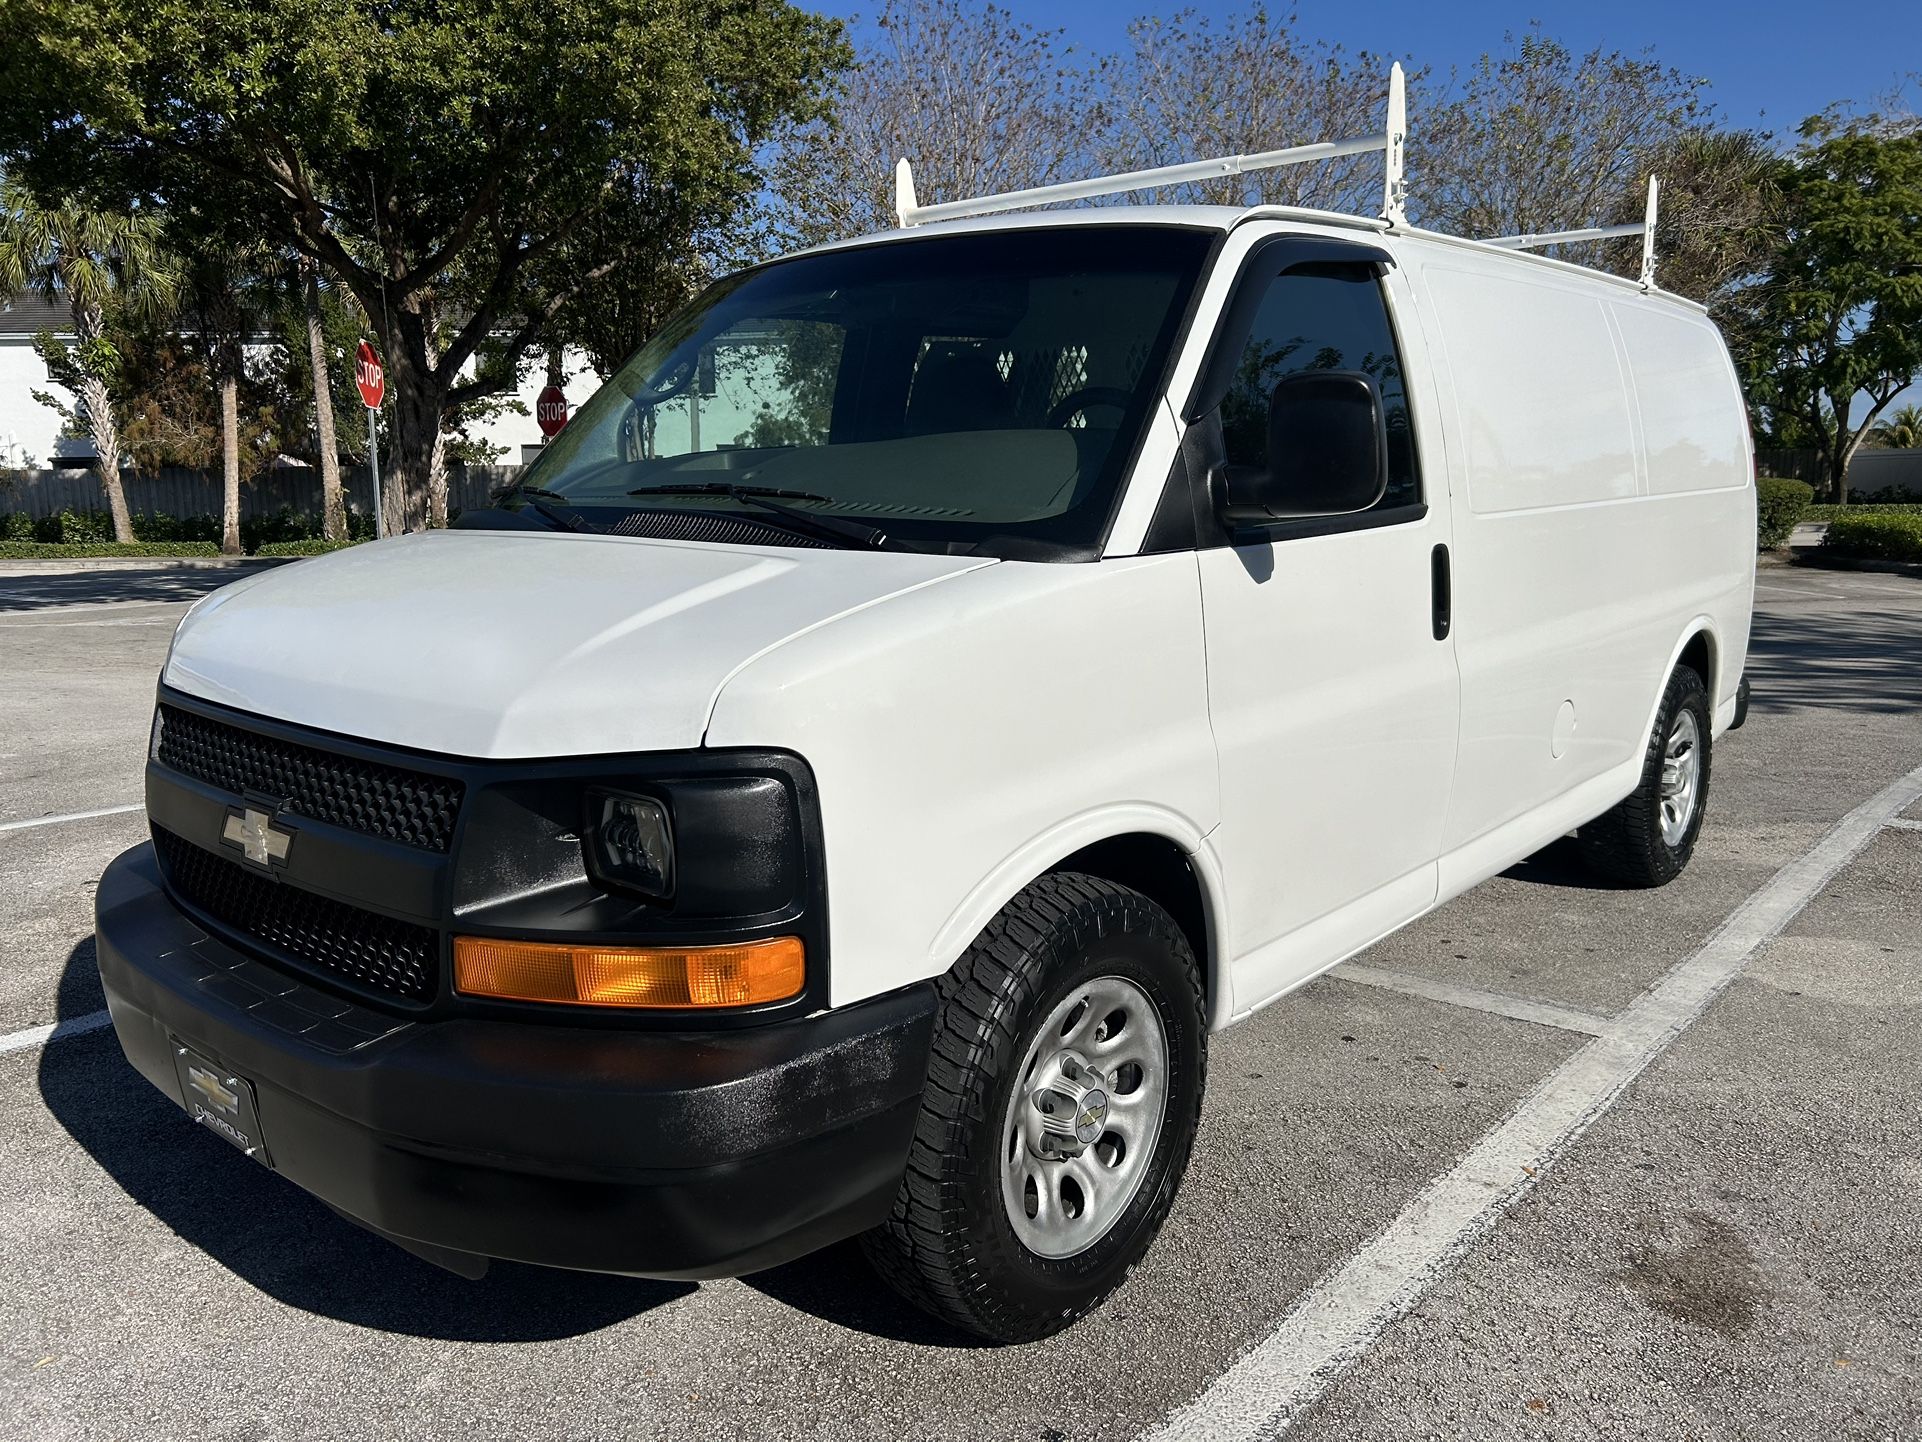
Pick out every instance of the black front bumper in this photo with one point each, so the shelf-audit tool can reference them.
(648, 1153)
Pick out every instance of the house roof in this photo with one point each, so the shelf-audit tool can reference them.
(28, 315)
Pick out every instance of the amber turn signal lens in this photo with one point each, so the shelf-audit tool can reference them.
(694, 976)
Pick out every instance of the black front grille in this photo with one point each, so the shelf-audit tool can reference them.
(401, 805)
(396, 958)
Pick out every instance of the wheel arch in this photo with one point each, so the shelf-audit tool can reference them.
(1696, 646)
(1155, 852)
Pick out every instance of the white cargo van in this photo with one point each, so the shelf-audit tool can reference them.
(940, 680)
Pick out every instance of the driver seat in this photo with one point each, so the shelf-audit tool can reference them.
(958, 387)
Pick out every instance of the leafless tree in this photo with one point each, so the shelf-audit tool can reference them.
(1539, 139)
(1191, 86)
(977, 101)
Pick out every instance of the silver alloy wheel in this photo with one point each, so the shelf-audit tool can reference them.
(1681, 776)
(1085, 1117)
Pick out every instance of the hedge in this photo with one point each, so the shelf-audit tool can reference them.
(36, 551)
(303, 548)
(1778, 506)
(96, 528)
(1877, 537)
(1894, 508)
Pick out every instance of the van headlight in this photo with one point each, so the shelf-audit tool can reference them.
(630, 843)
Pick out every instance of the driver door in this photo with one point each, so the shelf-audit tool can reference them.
(1331, 678)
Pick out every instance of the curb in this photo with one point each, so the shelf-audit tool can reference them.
(1822, 562)
(79, 565)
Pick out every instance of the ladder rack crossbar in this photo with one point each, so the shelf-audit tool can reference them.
(1392, 142)
(1141, 179)
(1558, 237)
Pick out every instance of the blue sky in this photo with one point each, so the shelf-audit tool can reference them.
(1770, 63)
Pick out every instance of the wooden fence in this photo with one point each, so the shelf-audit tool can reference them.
(184, 493)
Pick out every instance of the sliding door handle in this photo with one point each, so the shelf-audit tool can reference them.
(1443, 592)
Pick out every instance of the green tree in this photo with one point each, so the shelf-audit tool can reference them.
(88, 259)
(444, 160)
(1831, 333)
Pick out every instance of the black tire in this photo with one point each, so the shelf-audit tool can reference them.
(1626, 843)
(950, 1246)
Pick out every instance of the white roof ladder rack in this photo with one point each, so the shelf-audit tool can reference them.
(909, 211)
(1645, 229)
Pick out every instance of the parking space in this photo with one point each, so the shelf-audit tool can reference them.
(1719, 1238)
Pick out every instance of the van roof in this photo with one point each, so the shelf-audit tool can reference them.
(1225, 218)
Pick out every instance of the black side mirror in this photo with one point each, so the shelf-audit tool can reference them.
(1327, 452)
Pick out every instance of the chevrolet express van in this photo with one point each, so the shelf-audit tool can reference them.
(937, 683)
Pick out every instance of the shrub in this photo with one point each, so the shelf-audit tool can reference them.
(1857, 508)
(314, 546)
(1778, 506)
(37, 551)
(16, 526)
(1877, 536)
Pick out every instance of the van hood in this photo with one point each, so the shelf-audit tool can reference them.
(520, 644)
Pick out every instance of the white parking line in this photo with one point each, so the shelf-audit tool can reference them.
(1330, 1329)
(1501, 1003)
(54, 1031)
(32, 821)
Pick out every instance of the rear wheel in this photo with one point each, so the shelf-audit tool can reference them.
(1649, 837)
(1063, 1094)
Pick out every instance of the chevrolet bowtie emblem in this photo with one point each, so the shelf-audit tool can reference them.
(217, 1092)
(259, 840)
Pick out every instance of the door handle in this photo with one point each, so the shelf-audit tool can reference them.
(1442, 591)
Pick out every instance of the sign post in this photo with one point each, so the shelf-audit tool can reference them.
(550, 410)
(372, 380)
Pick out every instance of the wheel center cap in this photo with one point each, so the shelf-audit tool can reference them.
(1069, 1108)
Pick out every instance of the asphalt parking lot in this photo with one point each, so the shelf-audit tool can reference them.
(1559, 1161)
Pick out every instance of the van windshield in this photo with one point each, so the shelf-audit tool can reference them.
(963, 393)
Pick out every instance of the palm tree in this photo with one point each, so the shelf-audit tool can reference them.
(1902, 430)
(66, 252)
(333, 508)
(227, 293)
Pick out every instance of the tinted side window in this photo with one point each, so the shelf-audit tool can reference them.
(1321, 318)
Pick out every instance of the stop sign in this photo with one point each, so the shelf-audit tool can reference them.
(369, 376)
(550, 409)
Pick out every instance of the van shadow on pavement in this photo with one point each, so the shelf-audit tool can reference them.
(275, 1236)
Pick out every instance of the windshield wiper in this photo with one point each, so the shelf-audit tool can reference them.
(557, 518)
(833, 528)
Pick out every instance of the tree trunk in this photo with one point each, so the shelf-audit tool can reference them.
(415, 403)
(102, 428)
(1840, 451)
(229, 462)
(333, 508)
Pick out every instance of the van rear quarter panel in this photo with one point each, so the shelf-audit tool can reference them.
(967, 736)
(1604, 511)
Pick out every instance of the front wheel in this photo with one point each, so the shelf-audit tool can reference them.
(1648, 838)
(1063, 1094)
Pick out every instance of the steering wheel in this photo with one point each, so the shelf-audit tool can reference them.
(1075, 401)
